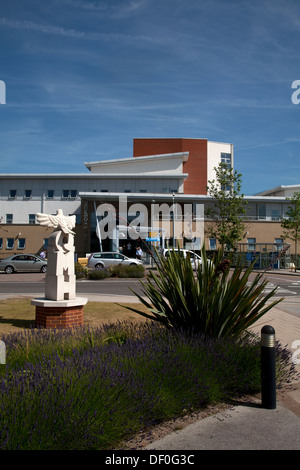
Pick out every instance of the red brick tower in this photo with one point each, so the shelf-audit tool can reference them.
(196, 166)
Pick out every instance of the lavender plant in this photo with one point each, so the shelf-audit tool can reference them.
(75, 389)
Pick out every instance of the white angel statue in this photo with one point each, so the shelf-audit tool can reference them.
(60, 221)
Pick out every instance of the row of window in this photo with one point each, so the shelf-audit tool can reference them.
(72, 193)
(32, 219)
(21, 243)
(12, 243)
(10, 218)
(16, 243)
(251, 244)
(66, 193)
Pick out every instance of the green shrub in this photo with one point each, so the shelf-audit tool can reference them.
(80, 271)
(96, 274)
(136, 271)
(216, 300)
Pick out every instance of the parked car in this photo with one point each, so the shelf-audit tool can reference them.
(105, 259)
(195, 259)
(25, 263)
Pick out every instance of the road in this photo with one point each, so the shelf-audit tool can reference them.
(34, 285)
(288, 285)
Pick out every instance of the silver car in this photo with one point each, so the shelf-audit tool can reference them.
(110, 258)
(25, 263)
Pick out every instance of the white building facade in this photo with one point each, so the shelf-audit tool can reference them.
(162, 171)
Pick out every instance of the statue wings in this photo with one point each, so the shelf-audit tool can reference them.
(60, 221)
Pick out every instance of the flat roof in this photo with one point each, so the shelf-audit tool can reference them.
(169, 196)
(278, 188)
(91, 175)
(183, 155)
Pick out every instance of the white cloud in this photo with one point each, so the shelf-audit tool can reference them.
(72, 33)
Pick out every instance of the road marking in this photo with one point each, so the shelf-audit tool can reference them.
(280, 290)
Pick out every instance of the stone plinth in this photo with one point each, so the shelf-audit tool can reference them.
(59, 314)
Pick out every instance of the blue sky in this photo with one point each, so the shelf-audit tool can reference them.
(84, 78)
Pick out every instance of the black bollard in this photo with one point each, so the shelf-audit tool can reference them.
(268, 368)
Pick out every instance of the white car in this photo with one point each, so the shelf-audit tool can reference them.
(195, 259)
(104, 259)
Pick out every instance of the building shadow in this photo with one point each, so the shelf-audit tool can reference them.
(17, 323)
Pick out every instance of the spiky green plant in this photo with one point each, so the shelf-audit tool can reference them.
(215, 300)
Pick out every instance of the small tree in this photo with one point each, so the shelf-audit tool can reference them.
(229, 207)
(291, 222)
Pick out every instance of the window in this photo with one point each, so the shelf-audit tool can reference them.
(226, 159)
(10, 243)
(32, 218)
(262, 211)
(21, 243)
(212, 244)
(9, 218)
(1, 243)
(50, 194)
(78, 219)
(69, 193)
(251, 244)
(278, 244)
(117, 256)
(226, 187)
(27, 193)
(12, 193)
(275, 214)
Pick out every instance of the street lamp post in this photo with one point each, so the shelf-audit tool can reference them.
(174, 241)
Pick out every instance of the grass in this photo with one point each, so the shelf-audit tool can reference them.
(17, 314)
(92, 387)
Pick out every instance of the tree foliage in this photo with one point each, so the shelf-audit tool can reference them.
(291, 222)
(228, 208)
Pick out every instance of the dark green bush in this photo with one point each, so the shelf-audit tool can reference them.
(216, 301)
(135, 271)
(97, 274)
(80, 271)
